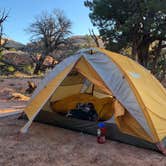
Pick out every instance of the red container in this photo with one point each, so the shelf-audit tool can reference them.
(101, 133)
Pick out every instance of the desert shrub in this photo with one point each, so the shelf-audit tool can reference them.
(29, 69)
(1, 55)
(12, 49)
(40, 73)
(11, 69)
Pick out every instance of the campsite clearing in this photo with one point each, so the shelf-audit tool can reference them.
(49, 145)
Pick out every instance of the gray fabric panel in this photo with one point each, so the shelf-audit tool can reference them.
(119, 86)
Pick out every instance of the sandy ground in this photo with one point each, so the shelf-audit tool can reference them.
(49, 145)
(9, 86)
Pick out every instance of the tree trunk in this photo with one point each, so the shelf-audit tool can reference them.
(94, 37)
(157, 54)
(143, 53)
(134, 51)
(39, 64)
(31, 87)
(163, 76)
(37, 68)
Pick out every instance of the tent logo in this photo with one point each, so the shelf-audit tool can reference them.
(134, 74)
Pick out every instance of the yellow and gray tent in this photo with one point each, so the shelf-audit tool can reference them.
(140, 107)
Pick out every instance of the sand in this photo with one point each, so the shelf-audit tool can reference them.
(49, 145)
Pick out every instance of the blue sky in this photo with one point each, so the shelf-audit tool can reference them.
(22, 13)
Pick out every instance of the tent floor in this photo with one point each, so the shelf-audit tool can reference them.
(90, 127)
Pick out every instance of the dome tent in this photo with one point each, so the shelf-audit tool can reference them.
(140, 107)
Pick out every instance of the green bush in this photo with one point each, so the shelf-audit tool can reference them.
(29, 69)
(11, 69)
(1, 54)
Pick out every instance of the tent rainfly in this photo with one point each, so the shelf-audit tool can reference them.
(140, 107)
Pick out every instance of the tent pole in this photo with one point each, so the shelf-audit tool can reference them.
(25, 128)
(93, 88)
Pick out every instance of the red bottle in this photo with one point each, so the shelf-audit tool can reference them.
(101, 133)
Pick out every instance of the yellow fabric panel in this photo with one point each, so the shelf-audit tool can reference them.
(104, 107)
(47, 107)
(69, 102)
(34, 106)
(118, 109)
(73, 80)
(64, 91)
(88, 89)
(61, 92)
(107, 109)
(127, 124)
(99, 94)
(86, 70)
(149, 92)
(161, 121)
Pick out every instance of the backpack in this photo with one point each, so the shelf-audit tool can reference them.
(84, 111)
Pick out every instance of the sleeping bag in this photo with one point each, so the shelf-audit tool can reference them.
(104, 106)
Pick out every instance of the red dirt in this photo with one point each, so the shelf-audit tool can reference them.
(49, 145)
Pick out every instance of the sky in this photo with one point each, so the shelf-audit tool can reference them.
(22, 13)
